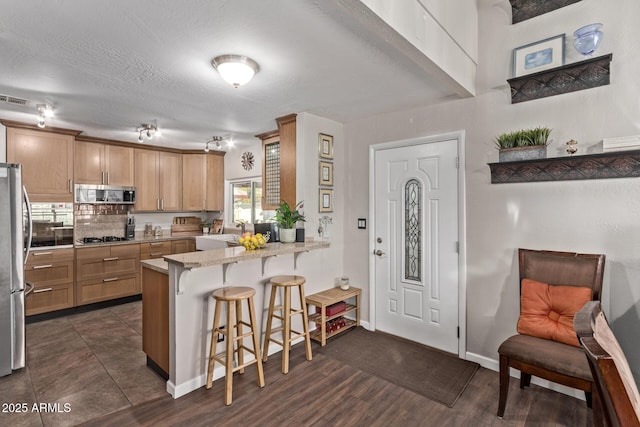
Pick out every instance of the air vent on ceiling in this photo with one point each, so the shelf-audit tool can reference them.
(13, 100)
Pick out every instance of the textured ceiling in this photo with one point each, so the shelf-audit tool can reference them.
(108, 66)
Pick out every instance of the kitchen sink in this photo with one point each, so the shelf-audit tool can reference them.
(215, 241)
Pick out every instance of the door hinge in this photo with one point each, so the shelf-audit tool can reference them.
(458, 162)
(458, 333)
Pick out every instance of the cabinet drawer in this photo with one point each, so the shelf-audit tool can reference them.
(49, 298)
(154, 255)
(91, 291)
(103, 267)
(49, 256)
(124, 251)
(156, 247)
(183, 246)
(55, 273)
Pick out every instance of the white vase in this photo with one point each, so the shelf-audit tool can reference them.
(287, 235)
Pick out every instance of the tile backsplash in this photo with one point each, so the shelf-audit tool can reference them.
(100, 220)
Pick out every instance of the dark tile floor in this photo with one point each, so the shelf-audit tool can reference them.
(82, 366)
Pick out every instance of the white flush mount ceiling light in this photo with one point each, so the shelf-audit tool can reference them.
(214, 140)
(44, 111)
(236, 70)
(147, 130)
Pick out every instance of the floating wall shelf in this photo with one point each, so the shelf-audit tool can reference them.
(581, 75)
(617, 164)
(526, 9)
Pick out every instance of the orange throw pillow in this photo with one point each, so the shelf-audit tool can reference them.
(547, 311)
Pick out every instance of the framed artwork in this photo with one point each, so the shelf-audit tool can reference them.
(326, 200)
(326, 173)
(538, 56)
(325, 146)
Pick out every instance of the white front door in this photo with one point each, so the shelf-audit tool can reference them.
(416, 234)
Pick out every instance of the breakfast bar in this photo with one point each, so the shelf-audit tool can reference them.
(193, 277)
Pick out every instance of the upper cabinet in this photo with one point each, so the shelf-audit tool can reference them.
(47, 162)
(279, 164)
(99, 163)
(203, 182)
(158, 180)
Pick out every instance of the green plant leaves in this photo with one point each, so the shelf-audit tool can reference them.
(523, 138)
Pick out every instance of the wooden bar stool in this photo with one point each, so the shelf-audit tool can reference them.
(233, 333)
(286, 282)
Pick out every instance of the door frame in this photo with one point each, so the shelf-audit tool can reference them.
(459, 136)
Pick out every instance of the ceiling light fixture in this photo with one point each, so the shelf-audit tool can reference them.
(44, 111)
(214, 139)
(147, 129)
(236, 70)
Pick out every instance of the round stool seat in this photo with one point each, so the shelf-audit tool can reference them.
(288, 280)
(233, 293)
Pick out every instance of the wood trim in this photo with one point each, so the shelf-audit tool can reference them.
(48, 129)
(267, 135)
(289, 118)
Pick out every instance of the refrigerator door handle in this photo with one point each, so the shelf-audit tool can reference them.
(27, 248)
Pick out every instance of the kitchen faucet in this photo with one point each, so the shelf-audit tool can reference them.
(241, 225)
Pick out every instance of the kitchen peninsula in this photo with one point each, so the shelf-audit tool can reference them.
(192, 278)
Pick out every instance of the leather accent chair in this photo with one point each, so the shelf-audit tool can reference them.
(544, 358)
(616, 401)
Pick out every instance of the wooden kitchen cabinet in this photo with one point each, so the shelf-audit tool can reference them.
(183, 246)
(47, 163)
(103, 164)
(158, 180)
(155, 318)
(52, 274)
(203, 182)
(279, 163)
(107, 272)
(151, 250)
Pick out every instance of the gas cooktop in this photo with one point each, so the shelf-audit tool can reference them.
(102, 239)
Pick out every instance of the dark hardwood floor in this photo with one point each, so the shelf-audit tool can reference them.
(324, 392)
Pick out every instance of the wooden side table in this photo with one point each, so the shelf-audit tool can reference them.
(326, 298)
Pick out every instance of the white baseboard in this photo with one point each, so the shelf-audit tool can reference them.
(494, 365)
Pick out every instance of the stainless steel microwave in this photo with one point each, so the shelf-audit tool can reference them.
(104, 194)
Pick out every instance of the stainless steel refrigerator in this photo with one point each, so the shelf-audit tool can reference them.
(13, 254)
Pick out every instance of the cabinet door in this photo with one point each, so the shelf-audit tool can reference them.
(146, 180)
(183, 246)
(119, 165)
(89, 163)
(170, 181)
(194, 182)
(47, 163)
(215, 183)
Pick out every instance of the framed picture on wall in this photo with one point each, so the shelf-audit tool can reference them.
(538, 56)
(326, 200)
(325, 146)
(325, 173)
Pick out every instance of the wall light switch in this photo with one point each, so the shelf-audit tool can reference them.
(362, 223)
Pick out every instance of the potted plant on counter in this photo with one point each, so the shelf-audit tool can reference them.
(286, 218)
(526, 144)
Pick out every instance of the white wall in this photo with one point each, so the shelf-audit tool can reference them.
(233, 166)
(444, 31)
(597, 216)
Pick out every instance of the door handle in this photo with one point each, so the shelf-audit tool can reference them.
(378, 252)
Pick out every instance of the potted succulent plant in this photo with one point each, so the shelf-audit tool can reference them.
(286, 218)
(526, 144)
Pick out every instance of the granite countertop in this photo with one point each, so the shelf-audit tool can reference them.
(138, 239)
(238, 254)
(158, 264)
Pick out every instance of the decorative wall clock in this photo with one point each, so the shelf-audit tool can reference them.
(247, 160)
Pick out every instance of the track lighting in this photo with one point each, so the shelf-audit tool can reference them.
(147, 129)
(216, 140)
(44, 111)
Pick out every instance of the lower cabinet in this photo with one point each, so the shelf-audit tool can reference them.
(107, 272)
(52, 274)
(155, 318)
(183, 246)
(152, 250)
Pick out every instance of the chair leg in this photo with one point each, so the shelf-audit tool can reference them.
(228, 379)
(256, 345)
(525, 380)
(240, 342)
(504, 384)
(286, 330)
(267, 333)
(214, 342)
(305, 323)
